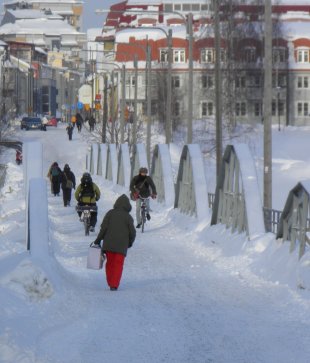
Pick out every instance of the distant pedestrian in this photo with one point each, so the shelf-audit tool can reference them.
(55, 176)
(91, 123)
(79, 121)
(118, 234)
(70, 131)
(67, 184)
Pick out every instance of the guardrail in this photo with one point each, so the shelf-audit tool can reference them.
(3, 168)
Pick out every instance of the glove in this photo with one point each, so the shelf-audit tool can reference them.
(154, 196)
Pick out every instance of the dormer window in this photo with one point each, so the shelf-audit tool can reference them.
(303, 55)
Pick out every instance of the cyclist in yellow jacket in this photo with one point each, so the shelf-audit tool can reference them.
(88, 193)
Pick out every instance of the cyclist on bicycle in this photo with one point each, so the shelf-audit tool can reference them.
(142, 186)
(88, 193)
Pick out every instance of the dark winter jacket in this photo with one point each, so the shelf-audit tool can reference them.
(117, 228)
(67, 175)
(143, 184)
(89, 193)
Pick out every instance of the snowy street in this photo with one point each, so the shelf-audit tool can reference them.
(186, 295)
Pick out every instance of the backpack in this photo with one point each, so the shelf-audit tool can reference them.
(88, 191)
(55, 171)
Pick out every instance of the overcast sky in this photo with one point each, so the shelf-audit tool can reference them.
(90, 19)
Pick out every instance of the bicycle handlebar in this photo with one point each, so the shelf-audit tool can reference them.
(82, 208)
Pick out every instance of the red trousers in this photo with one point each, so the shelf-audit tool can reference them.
(114, 268)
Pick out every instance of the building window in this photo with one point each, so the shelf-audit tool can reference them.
(240, 82)
(207, 55)
(249, 55)
(302, 109)
(179, 56)
(281, 108)
(273, 108)
(186, 7)
(257, 109)
(278, 55)
(302, 82)
(207, 81)
(163, 55)
(168, 7)
(303, 56)
(177, 109)
(195, 7)
(176, 82)
(207, 109)
(177, 7)
(240, 109)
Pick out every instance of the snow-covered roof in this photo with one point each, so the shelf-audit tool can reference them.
(141, 33)
(38, 26)
(296, 29)
(31, 14)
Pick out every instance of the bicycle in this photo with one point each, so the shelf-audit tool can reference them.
(86, 215)
(143, 212)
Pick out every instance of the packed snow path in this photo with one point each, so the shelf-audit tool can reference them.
(181, 298)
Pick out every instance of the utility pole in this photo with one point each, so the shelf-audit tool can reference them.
(267, 108)
(190, 79)
(149, 105)
(218, 89)
(105, 110)
(169, 89)
(123, 105)
(112, 107)
(134, 128)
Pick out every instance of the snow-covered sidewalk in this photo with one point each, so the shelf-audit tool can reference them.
(186, 296)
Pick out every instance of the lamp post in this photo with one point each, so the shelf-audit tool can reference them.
(267, 109)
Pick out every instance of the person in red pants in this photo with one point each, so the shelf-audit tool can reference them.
(118, 234)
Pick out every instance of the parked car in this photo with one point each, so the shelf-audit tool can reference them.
(28, 123)
(50, 121)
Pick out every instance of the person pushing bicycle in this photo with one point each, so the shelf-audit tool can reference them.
(87, 194)
(142, 186)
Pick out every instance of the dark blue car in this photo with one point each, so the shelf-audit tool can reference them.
(31, 123)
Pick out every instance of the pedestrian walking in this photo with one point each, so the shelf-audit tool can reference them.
(118, 234)
(55, 176)
(70, 131)
(67, 184)
(91, 123)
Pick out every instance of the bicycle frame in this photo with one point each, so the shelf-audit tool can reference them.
(86, 215)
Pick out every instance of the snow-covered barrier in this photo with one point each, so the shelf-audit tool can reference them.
(32, 162)
(37, 234)
(139, 159)
(161, 173)
(295, 218)
(237, 200)
(93, 161)
(111, 166)
(123, 166)
(191, 194)
(102, 160)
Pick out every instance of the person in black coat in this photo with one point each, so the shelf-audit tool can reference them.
(55, 176)
(70, 131)
(68, 183)
(118, 234)
(142, 186)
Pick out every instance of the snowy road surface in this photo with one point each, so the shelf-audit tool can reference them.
(186, 296)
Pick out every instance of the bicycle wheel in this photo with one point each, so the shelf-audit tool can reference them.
(86, 226)
(143, 219)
